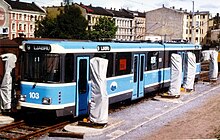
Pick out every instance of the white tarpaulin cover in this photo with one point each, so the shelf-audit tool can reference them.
(206, 55)
(212, 57)
(175, 74)
(190, 68)
(6, 86)
(99, 96)
(213, 65)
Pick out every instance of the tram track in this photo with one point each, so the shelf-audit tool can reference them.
(23, 131)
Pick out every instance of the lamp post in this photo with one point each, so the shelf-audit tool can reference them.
(192, 28)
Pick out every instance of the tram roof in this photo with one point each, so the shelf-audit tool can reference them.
(84, 47)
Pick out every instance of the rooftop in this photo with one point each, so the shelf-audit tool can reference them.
(24, 6)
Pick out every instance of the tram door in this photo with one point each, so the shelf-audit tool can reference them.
(82, 86)
(138, 79)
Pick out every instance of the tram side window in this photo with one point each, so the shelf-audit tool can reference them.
(41, 67)
(108, 56)
(152, 60)
(170, 53)
(160, 59)
(69, 68)
(198, 55)
(123, 63)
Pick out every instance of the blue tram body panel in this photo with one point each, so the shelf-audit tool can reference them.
(58, 94)
(156, 77)
(119, 85)
(198, 68)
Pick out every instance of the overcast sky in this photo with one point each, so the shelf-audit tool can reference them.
(213, 6)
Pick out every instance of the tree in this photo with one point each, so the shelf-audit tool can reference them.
(47, 28)
(103, 30)
(70, 24)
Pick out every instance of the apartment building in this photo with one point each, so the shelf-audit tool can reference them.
(131, 24)
(172, 24)
(124, 22)
(138, 24)
(165, 22)
(94, 13)
(19, 18)
(196, 26)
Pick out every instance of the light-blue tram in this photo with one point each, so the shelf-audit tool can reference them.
(55, 75)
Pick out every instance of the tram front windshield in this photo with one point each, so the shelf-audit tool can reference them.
(41, 67)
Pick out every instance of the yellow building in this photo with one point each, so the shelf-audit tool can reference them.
(196, 27)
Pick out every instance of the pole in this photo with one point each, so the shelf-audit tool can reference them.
(192, 29)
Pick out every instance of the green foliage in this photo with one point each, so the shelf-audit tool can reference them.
(70, 24)
(47, 28)
(104, 30)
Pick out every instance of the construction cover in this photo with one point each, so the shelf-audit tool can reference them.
(99, 96)
(206, 55)
(190, 67)
(175, 74)
(213, 65)
(6, 85)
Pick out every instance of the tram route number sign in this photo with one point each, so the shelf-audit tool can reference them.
(37, 48)
(103, 48)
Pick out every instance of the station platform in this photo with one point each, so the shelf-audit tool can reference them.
(90, 131)
(5, 119)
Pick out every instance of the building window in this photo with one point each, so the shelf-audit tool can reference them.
(24, 27)
(31, 28)
(31, 18)
(13, 27)
(13, 35)
(186, 31)
(20, 27)
(13, 16)
(20, 16)
(25, 17)
(196, 39)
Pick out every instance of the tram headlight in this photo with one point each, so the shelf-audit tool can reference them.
(23, 98)
(46, 101)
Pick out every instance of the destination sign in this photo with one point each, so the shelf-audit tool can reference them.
(103, 48)
(37, 48)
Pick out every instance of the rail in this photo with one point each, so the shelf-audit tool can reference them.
(21, 131)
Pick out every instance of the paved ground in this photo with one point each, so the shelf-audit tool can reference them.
(193, 116)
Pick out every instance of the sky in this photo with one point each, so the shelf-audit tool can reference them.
(142, 5)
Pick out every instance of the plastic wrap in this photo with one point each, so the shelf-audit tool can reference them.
(176, 74)
(190, 68)
(6, 85)
(99, 96)
(213, 65)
